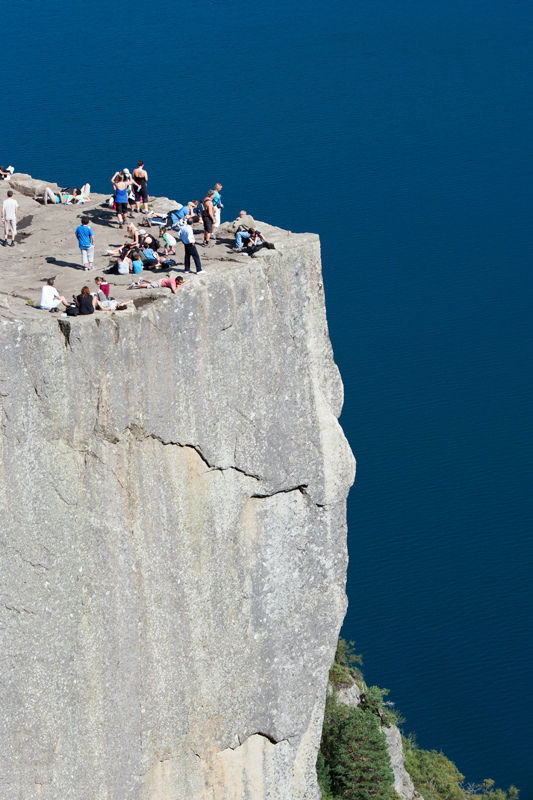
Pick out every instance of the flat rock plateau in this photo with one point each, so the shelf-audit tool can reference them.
(173, 485)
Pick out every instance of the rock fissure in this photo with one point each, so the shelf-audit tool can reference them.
(141, 435)
(267, 736)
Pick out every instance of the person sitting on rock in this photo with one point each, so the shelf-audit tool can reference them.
(147, 240)
(150, 258)
(106, 303)
(246, 237)
(50, 297)
(102, 286)
(85, 301)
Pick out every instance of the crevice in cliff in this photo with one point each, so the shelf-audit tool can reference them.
(141, 435)
(34, 564)
(268, 736)
(64, 327)
(302, 488)
(18, 610)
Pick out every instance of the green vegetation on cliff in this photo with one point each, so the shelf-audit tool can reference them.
(353, 762)
(437, 778)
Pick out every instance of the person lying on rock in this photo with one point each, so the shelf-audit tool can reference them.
(173, 282)
(50, 297)
(66, 198)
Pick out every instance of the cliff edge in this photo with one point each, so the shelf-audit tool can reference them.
(173, 486)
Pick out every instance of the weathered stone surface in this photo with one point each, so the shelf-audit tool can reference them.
(31, 187)
(162, 205)
(173, 542)
(402, 780)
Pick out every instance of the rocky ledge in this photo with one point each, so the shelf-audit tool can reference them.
(46, 246)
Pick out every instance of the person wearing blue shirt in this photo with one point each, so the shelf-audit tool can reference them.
(85, 237)
(188, 211)
(217, 204)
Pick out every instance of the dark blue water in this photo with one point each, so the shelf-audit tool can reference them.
(400, 132)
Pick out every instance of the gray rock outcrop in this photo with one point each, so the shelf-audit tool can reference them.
(31, 187)
(173, 542)
(402, 780)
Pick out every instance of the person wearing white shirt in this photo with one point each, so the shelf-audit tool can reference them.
(9, 218)
(187, 237)
(50, 297)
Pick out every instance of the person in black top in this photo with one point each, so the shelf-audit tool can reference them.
(86, 302)
(140, 176)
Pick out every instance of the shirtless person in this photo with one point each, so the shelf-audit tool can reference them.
(208, 215)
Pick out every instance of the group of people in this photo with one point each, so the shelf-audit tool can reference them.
(86, 302)
(130, 192)
(141, 249)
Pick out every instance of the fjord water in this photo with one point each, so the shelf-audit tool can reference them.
(398, 131)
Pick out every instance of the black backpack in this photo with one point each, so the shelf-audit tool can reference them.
(72, 310)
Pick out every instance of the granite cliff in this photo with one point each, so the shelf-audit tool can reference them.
(173, 484)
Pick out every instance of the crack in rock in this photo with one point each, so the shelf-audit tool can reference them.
(141, 436)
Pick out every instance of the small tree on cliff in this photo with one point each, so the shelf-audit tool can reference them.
(355, 751)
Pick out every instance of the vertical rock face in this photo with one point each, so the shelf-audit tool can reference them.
(173, 544)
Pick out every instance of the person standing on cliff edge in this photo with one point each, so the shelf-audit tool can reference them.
(140, 177)
(207, 211)
(187, 237)
(9, 218)
(217, 203)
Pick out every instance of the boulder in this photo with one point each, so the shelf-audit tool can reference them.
(31, 187)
